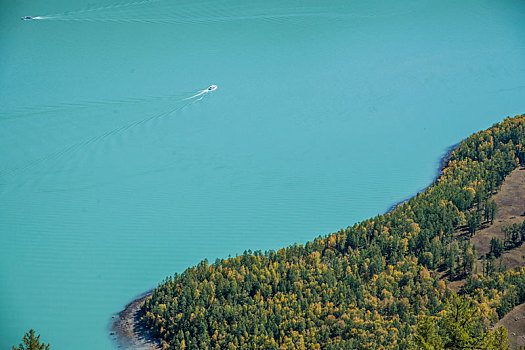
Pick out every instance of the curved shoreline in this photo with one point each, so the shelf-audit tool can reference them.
(126, 328)
(443, 163)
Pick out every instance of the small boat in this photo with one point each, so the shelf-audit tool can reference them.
(212, 87)
(27, 18)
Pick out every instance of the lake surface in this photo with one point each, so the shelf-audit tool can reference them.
(113, 174)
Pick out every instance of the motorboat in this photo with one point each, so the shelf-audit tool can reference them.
(27, 18)
(212, 88)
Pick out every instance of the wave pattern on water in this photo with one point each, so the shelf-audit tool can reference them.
(52, 160)
(328, 113)
(38, 110)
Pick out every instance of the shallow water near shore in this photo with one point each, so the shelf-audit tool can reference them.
(113, 174)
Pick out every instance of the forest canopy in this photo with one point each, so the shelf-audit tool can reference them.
(373, 285)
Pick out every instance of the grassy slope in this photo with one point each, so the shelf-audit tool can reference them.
(511, 210)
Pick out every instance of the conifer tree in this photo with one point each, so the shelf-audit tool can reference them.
(473, 222)
(491, 208)
(31, 342)
(461, 327)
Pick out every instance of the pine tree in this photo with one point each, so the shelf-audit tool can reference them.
(473, 222)
(461, 327)
(31, 342)
(496, 247)
(426, 336)
(468, 260)
(491, 208)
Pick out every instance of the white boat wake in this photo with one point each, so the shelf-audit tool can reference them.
(194, 12)
(61, 155)
(202, 92)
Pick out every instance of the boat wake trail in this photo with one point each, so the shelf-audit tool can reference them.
(201, 93)
(195, 12)
(40, 110)
(80, 13)
(53, 161)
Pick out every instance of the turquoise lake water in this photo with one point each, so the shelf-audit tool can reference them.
(113, 174)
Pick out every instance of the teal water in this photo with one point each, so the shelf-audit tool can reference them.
(112, 176)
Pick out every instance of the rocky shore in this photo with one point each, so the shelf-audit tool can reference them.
(127, 330)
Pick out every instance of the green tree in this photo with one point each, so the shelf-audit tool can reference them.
(461, 327)
(452, 259)
(426, 336)
(491, 208)
(468, 260)
(473, 222)
(31, 342)
(496, 247)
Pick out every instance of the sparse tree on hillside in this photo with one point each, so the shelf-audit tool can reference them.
(496, 247)
(468, 260)
(452, 260)
(491, 208)
(473, 222)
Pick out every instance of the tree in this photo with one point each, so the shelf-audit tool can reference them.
(496, 247)
(31, 342)
(453, 258)
(461, 327)
(468, 260)
(491, 208)
(426, 336)
(473, 222)
(512, 233)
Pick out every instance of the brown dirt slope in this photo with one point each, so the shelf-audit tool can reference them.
(514, 322)
(511, 207)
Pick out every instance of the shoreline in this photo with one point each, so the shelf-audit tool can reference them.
(442, 164)
(129, 334)
(126, 329)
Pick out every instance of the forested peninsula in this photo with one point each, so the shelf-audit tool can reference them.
(384, 283)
